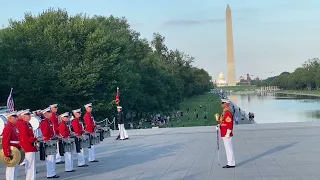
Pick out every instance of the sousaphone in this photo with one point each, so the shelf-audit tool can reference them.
(3, 122)
(35, 122)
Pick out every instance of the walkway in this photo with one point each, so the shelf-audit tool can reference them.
(263, 151)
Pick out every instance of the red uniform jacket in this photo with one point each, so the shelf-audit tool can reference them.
(90, 125)
(47, 129)
(55, 121)
(77, 126)
(26, 137)
(64, 129)
(20, 121)
(226, 123)
(10, 138)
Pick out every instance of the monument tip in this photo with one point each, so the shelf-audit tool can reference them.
(228, 7)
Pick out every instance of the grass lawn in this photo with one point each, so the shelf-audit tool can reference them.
(210, 102)
(239, 88)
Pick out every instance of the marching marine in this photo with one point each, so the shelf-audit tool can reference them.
(55, 121)
(78, 129)
(122, 131)
(11, 139)
(27, 142)
(20, 121)
(226, 128)
(47, 130)
(65, 132)
(90, 128)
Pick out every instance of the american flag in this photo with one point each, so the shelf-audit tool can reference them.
(10, 103)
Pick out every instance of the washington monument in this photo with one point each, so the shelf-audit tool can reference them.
(230, 51)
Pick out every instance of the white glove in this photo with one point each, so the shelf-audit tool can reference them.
(228, 133)
(218, 127)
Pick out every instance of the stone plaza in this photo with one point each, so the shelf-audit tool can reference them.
(262, 151)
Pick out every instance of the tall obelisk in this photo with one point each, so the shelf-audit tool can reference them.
(230, 51)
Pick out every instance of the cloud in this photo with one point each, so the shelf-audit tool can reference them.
(190, 22)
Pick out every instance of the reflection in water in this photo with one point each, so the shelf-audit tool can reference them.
(274, 108)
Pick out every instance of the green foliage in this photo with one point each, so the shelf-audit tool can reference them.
(306, 77)
(73, 60)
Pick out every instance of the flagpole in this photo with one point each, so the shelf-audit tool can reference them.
(117, 96)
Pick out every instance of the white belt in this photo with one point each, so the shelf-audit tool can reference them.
(14, 142)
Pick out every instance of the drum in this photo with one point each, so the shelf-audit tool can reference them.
(3, 122)
(47, 148)
(35, 122)
(85, 141)
(94, 138)
(68, 144)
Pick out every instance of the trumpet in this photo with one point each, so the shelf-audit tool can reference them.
(217, 116)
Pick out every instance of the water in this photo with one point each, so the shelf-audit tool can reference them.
(275, 108)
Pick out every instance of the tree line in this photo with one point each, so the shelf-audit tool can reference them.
(306, 77)
(73, 60)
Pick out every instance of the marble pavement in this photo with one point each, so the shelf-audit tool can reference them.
(262, 151)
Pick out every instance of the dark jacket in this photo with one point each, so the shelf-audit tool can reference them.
(119, 118)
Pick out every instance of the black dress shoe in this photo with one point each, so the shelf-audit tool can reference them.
(61, 162)
(94, 161)
(53, 177)
(85, 165)
(71, 171)
(227, 166)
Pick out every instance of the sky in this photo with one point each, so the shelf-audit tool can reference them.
(269, 36)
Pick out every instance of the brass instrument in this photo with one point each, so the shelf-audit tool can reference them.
(16, 157)
(217, 116)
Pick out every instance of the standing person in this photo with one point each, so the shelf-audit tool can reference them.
(226, 128)
(20, 121)
(10, 138)
(205, 120)
(47, 130)
(237, 119)
(90, 128)
(55, 121)
(27, 142)
(122, 131)
(65, 132)
(78, 129)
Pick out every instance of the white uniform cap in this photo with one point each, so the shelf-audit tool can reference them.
(119, 107)
(53, 105)
(13, 113)
(27, 111)
(66, 114)
(225, 101)
(46, 110)
(77, 111)
(19, 112)
(88, 105)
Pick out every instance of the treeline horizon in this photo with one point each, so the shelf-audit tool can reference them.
(306, 77)
(74, 60)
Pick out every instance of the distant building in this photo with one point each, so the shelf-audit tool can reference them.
(244, 81)
(221, 81)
